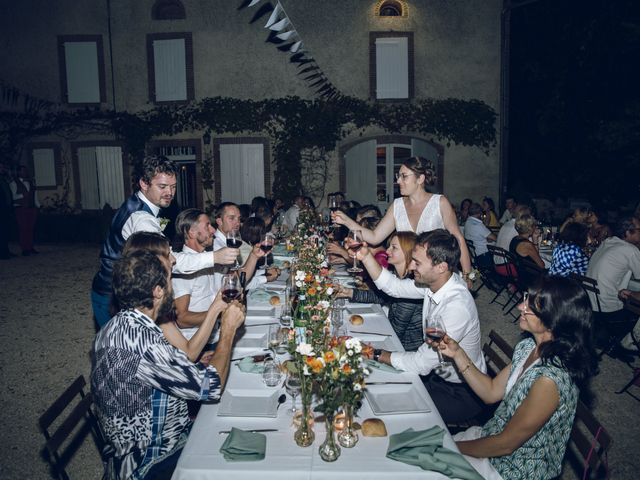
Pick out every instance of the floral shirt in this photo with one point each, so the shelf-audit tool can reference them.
(140, 384)
(568, 258)
(540, 457)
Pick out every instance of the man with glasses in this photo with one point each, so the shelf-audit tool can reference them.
(612, 265)
(139, 213)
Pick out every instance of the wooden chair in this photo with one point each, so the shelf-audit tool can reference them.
(496, 360)
(528, 275)
(61, 441)
(589, 443)
(502, 257)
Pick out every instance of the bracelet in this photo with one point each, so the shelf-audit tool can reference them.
(466, 369)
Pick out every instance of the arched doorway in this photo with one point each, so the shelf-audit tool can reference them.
(368, 166)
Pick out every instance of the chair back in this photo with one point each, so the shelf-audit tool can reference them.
(496, 358)
(472, 250)
(528, 273)
(501, 256)
(591, 442)
(60, 443)
(590, 286)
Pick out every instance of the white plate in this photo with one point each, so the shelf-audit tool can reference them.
(396, 399)
(252, 340)
(261, 312)
(249, 403)
(363, 310)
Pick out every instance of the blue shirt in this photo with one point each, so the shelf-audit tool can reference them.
(568, 258)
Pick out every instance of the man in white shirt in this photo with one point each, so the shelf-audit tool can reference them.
(510, 210)
(139, 213)
(194, 292)
(615, 261)
(477, 232)
(434, 260)
(291, 215)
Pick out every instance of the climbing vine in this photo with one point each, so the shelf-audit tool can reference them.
(294, 125)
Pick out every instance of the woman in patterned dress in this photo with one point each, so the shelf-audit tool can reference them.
(415, 211)
(569, 255)
(527, 436)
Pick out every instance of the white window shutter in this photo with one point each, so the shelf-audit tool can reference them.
(89, 193)
(242, 168)
(392, 67)
(110, 180)
(44, 166)
(83, 77)
(169, 59)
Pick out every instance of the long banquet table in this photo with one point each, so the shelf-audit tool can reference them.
(201, 458)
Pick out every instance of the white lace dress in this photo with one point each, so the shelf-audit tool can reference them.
(430, 219)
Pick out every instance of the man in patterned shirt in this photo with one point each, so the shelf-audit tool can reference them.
(140, 382)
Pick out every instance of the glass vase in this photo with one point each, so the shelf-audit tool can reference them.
(329, 450)
(304, 435)
(348, 436)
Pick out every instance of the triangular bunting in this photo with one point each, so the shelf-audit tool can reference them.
(296, 46)
(275, 15)
(253, 2)
(286, 35)
(281, 25)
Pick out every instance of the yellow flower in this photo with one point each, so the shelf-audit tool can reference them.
(329, 356)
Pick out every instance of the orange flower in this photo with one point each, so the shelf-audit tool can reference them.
(311, 291)
(329, 356)
(346, 368)
(308, 278)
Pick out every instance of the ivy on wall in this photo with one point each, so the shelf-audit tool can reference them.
(292, 123)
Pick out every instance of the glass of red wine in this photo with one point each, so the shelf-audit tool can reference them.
(230, 287)
(435, 332)
(234, 241)
(354, 245)
(266, 244)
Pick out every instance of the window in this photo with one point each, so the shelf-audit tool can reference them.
(170, 64)
(391, 8)
(99, 176)
(391, 65)
(81, 60)
(45, 158)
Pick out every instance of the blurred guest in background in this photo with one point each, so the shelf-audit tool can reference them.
(569, 255)
(26, 204)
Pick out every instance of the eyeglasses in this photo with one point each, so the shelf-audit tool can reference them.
(403, 175)
(525, 304)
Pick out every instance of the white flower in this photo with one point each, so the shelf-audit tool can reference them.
(300, 275)
(305, 370)
(357, 387)
(305, 349)
(299, 283)
(330, 291)
(324, 264)
(357, 348)
(350, 353)
(324, 304)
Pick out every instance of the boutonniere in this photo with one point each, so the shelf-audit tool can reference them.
(163, 223)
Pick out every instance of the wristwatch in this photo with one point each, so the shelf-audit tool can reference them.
(376, 354)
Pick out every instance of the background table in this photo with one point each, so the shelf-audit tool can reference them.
(201, 458)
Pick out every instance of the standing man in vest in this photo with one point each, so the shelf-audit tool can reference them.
(26, 207)
(139, 213)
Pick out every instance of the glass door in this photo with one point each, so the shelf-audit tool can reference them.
(389, 158)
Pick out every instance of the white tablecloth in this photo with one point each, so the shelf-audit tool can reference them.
(201, 458)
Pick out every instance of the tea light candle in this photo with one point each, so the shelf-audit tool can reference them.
(297, 418)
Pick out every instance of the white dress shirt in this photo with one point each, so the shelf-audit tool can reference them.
(477, 232)
(612, 265)
(143, 221)
(454, 304)
(506, 233)
(291, 217)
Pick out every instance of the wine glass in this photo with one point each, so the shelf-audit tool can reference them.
(435, 331)
(334, 206)
(271, 373)
(273, 338)
(355, 244)
(230, 287)
(285, 313)
(234, 241)
(266, 244)
(292, 386)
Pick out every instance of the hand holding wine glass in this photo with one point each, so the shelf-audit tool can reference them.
(434, 333)
(355, 243)
(266, 244)
(234, 241)
(230, 287)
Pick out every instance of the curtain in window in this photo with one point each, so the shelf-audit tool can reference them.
(242, 172)
(392, 68)
(83, 79)
(44, 167)
(170, 70)
(110, 183)
(360, 163)
(89, 193)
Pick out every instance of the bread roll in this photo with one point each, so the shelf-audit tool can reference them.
(374, 427)
(356, 320)
(286, 264)
(275, 300)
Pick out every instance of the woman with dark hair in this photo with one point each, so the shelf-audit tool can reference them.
(416, 211)
(539, 389)
(569, 256)
(405, 315)
(463, 213)
(489, 216)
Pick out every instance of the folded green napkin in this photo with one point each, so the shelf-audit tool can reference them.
(424, 449)
(247, 365)
(241, 446)
(382, 366)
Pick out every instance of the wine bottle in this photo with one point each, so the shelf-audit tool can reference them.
(301, 316)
